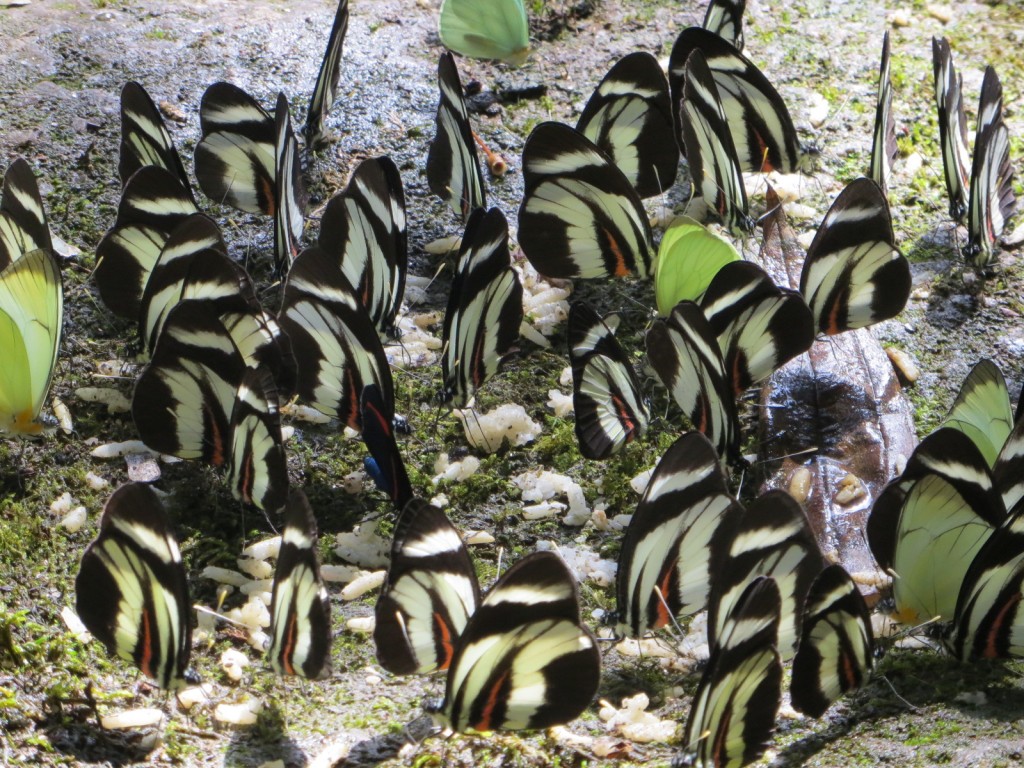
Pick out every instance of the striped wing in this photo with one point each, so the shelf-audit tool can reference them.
(952, 127)
(991, 199)
(580, 216)
(131, 591)
(453, 171)
(524, 660)
(379, 436)
(144, 138)
(734, 709)
(326, 88)
(430, 593)
(883, 144)
(760, 327)
(23, 226)
(300, 611)
(257, 471)
(676, 539)
(756, 116)
(773, 538)
(982, 410)
(629, 117)
(336, 347)
(854, 275)
(836, 650)
(607, 399)
(289, 194)
(365, 229)
(485, 309)
(496, 29)
(715, 171)
(31, 319)
(725, 19)
(236, 158)
(685, 355)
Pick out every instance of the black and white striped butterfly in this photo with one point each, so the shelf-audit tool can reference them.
(630, 118)
(725, 19)
(485, 308)
(853, 274)
(453, 171)
(607, 399)
(836, 651)
(23, 226)
(208, 393)
(289, 194)
(145, 139)
(883, 143)
(300, 611)
(755, 115)
(337, 348)
(364, 228)
(733, 712)
(715, 171)
(326, 88)
(677, 538)
(580, 216)
(131, 591)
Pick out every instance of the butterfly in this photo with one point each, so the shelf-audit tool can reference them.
(497, 29)
(772, 538)
(883, 144)
(733, 712)
(289, 194)
(364, 228)
(676, 539)
(300, 611)
(757, 119)
(836, 651)
(853, 274)
(131, 591)
(153, 204)
(485, 308)
(144, 138)
(336, 346)
(517, 659)
(235, 160)
(725, 19)
(23, 226)
(609, 406)
(31, 318)
(326, 88)
(208, 393)
(689, 256)
(714, 166)
(685, 355)
(385, 461)
(629, 117)
(580, 216)
(453, 171)
(991, 200)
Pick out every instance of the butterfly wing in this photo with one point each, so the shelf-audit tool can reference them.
(853, 275)
(609, 406)
(725, 19)
(430, 592)
(991, 199)
(326, 88)
(883, 144)
(836, 651)
(289, 194)
(524, 660)
(144, 138)
(497, 29)
(952, 127)
(580, 216)
(982, 410)
(485, 309)
(131, 591)
(629, 117)
(379, 436)
(677, 537)
(31, 318)
(257, 471)
(300, 611)
(23, 226)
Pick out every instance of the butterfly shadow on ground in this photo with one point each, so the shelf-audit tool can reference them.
(926, 692)
(82, 740)
(267, 741)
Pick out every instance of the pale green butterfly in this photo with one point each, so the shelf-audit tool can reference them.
(688, 258)
(486, 29)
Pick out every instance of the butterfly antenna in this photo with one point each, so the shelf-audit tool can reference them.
(892, 688)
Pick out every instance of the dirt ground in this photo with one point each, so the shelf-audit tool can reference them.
(62, 64)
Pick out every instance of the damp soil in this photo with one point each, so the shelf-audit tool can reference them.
(62, 64)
